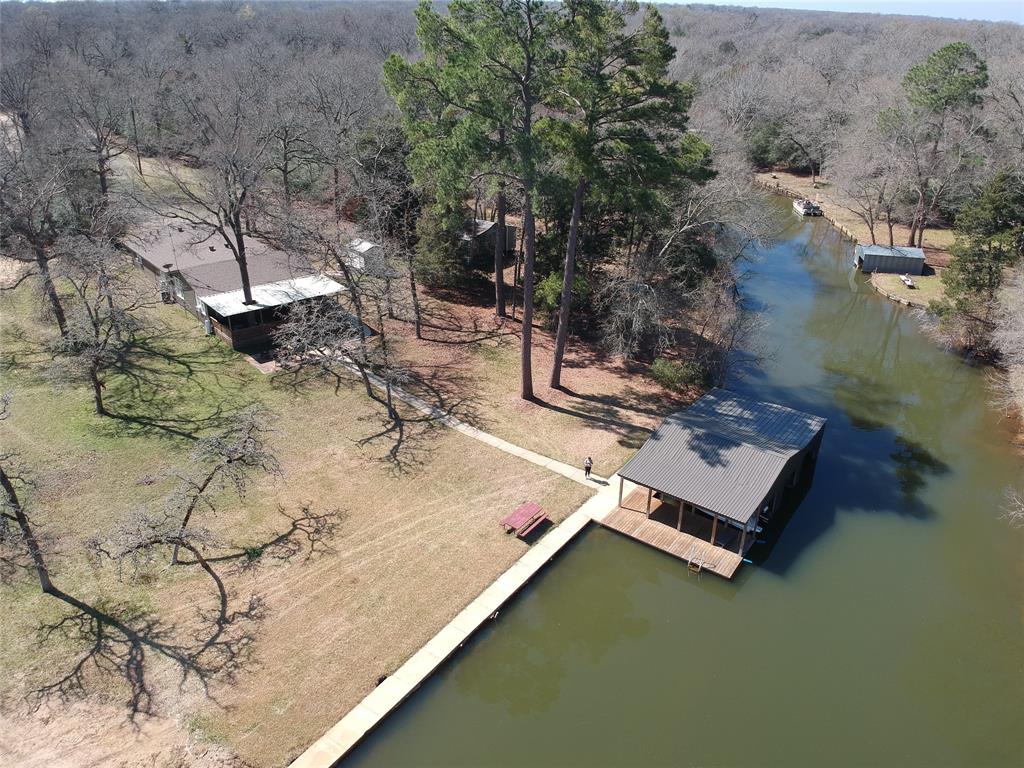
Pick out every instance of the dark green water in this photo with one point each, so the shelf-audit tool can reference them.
(883, 628)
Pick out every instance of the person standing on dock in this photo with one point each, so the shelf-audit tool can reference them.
(587, 465)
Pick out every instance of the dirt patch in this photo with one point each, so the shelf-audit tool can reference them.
(470, 361)
(97, 734)
(11, 270)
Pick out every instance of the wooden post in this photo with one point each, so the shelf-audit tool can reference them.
(650, 492)
(743, 540)
(714, 527)
(679, 524)
(622, 482)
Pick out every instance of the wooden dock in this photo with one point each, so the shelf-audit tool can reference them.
(679, 544)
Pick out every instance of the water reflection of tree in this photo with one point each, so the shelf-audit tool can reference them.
(913, 462)
(527, 662)
(877, 389)
(882, 388)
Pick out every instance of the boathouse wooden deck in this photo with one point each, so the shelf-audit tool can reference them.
(636, 525)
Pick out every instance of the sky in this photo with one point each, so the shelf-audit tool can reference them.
(989, 10)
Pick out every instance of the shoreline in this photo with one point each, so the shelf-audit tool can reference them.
(779, 189)
(1016, 415)
(893, 297)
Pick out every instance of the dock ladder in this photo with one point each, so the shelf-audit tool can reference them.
(691, 561)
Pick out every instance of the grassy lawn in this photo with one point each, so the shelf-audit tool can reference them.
(832, 200)
(411, 540)
(929, 288)
(154, 182)
(412, 544)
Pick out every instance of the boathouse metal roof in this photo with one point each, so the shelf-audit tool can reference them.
(724, 453)
(905, 251)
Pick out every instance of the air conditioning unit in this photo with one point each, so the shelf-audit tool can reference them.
(165, 291)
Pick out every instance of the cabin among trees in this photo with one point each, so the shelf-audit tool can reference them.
(365, 256)
(479, 236)
(192, 268)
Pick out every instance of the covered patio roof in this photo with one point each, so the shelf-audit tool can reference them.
(271, 295)
(724, 453)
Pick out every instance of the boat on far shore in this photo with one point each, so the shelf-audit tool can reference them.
(806, 207)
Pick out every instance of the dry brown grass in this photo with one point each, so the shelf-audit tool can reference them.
(415, 542)
(831, 199)
(412, 546)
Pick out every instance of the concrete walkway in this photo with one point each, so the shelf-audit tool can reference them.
(339, 740)
(421, 405)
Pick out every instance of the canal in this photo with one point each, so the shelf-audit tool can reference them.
(881, 628)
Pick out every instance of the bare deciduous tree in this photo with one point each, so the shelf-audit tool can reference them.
(226, 460)
(865, 167)
(1008, 337)
(103, 313)
(35, 212)
(96, 109)
(232, 141)
(340, 96)
(322, 337)
(109, 644)
(1013, 510)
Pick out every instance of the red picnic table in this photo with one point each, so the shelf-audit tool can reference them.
(525, 518)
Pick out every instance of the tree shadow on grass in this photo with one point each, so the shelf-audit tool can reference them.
(606, 417)
(474, 291)
(184, 427)
(448, 388)
(306, 534)
(407, 436)
(159, 388)
(120, 641)
(633, 400)
(440, 325)
(165, 353)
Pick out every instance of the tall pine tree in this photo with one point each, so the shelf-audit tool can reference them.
(470, 107)
(622, 120)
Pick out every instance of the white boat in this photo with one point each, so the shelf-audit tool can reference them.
(806, 207)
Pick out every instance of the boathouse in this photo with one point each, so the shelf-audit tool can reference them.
(902, 260)
(710, 475)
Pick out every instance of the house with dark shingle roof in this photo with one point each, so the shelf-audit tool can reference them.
(195, 268)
